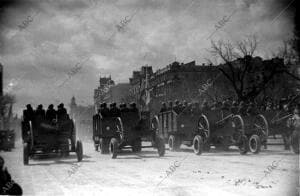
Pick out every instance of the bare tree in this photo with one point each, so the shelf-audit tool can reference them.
(246, 78)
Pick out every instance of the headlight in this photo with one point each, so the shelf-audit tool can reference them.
(182, 125)
(107, 128)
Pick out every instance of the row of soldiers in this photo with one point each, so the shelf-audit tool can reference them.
(114, 111)
(243, 108)
(29, 114)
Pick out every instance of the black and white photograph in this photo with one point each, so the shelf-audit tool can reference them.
(149, 97)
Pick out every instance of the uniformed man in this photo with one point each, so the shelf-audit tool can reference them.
(28, 114)
(114, 110)
(133, 107)
(40, 112)
(124, 107)
(50, 113)
(163, 107)
(104, 111)
(61, 112)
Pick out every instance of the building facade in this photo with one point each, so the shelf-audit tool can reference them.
(176, 81)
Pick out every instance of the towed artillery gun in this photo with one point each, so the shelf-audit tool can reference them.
(44, 138)
(112, 134)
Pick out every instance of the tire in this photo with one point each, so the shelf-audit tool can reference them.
(161, 149)
(295, 142)
(254, 144)
(25, 154)
(174, 143)
(113, 148)
(137, 145)
(243, 145)
(101, 146)
(198, 145)
(79, 150)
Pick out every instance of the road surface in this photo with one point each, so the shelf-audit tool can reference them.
(272, 172)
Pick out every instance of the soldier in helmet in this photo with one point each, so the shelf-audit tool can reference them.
(133, 107)
(114, 110)
(50, 113)
(61, 112)
(124, 107)
(164, 107)
(40, 112)
(104, 111)
(28, 114)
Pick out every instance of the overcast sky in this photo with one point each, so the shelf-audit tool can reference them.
(61, 34)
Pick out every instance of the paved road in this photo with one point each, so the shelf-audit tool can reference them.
(213, 173)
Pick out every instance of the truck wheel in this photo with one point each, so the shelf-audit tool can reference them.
(174, 143)
(254, 144)
(102, 145)
(113, 147)
(25, 154)
(79, 150)
(295, 142)
(243, 145)
(161, 149)
(137, 145)
(198, 145)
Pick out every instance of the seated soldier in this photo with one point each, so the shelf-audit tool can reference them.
(40, 112)
(61, 112)
(163, 108)
(104, 111)
(133, 107)
(50, 113)
(114, 110)
(123, 107)
(28, 114)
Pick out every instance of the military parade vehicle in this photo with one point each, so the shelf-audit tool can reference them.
(112, 134)
(44, 138)
(180, 128)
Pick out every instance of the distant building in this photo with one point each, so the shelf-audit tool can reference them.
(175, 81)
(101, 94)
(109, 92)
